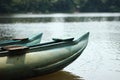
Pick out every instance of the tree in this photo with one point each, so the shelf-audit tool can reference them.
(63, 6)
(92, 6)
(5, 6)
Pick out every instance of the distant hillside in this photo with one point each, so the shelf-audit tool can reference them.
(58, 6)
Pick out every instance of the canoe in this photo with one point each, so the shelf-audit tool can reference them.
(23, 41)
(41, 59)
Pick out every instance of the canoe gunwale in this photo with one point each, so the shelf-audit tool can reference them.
(50, 45)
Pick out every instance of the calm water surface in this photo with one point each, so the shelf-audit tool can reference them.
(99, 61)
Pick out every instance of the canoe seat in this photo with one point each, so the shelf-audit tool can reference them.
(58, 39)
(14, 49)
(22, 39)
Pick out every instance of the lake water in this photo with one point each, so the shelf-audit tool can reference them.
(99, 61)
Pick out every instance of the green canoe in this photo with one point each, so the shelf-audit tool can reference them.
(24, 42)
(40, 59)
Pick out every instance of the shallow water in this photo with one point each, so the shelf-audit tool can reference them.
(99, 61)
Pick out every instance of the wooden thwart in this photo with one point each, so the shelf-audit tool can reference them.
(11, 48)
(22, 39)
(16, 50)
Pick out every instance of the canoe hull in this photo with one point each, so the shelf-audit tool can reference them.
(42, 61)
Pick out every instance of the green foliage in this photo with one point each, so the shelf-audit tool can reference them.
(64, 6)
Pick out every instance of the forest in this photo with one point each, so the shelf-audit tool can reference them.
(58, 6)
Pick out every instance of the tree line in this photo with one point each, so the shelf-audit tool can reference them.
(58, 6)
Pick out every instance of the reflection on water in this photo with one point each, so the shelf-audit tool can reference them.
(61, 75)
(101, 58)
